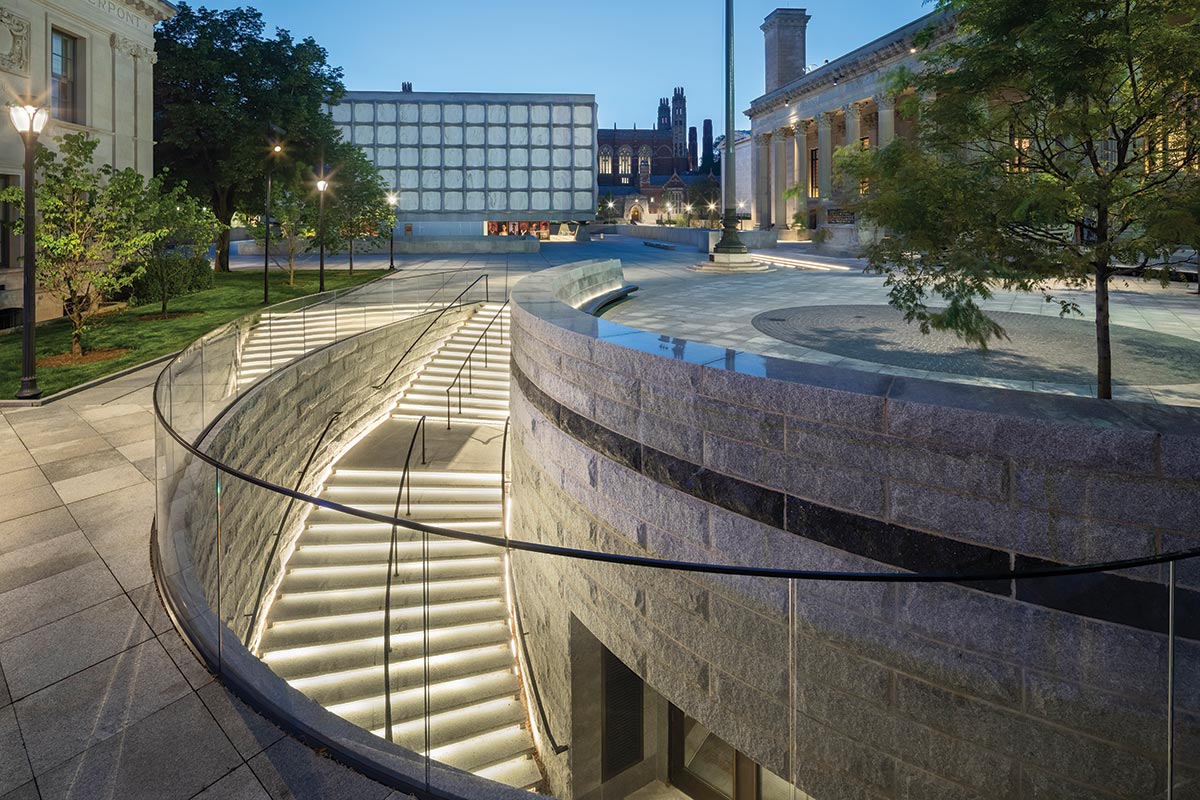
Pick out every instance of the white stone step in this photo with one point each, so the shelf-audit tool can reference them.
(304, 605)
(356, 684)
(521, 772)
(347, 627)
(435, 410)
(423, 493)
(409, 703)
(480, 752)
(416, 477)
(326, 555)
(426, 512)
(457, 725)
(308, 579)
(297, 662)
(381, 533)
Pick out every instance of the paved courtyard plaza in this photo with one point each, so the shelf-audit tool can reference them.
(100, 698)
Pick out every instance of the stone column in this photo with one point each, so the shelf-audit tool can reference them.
(762, 180)
(801, 148)
(887, 119)
(825, 154)
(853, 113)
(779, 178)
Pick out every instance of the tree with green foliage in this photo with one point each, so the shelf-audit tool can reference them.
(1056, 141)
(357, 205)
(220, 88)
(173, 264)
(89, 238)
(293, 214)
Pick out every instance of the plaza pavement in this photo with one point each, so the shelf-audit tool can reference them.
(99, 697)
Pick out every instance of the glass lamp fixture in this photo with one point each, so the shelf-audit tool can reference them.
(28, 118)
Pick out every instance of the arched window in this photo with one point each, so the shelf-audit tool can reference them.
(644, 160)
(605, 160)
(625, 163)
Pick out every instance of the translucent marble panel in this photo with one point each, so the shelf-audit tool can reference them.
(452, 134)
(497, 157)
(408, 201)
(452, 113)
(475, 179)
(497, 201)
(518, 179)
(582, 137)
(583, 179)
(497, 179)
(409, 134)
(539, 137)
(475, 134)
(583, 115)
(518, 115)
(431, 157)
(408, 112)
(562, 158)
(453, 178)
(540, 179)
(364, 134)
(386, 157)
(539, 115)
(408, 157)
(518, 137)
(364, 112)
(562, 201)
(583, 159)
(562, 137)
(474, 156)
(518, 201)
(561, 179)
(431, 134)
(497, 114)
(431, 201)
(540, 201)
(385, 134)
(475, 201)
(584, 201)
(518, 158)
(431, 112)
(385, 112)
(340, 113)
(497, 135)
(540, 158)
(409, 178)
(475, 113)
(452, 201)
(452, 157)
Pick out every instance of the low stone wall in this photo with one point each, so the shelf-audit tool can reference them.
(468, 244)
(642, 444)
(702, 239)
(270, 432)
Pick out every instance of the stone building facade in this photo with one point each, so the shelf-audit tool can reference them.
(804, 116)
(91, 62)
(459, 161)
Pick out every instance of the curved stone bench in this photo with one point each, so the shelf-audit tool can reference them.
(636, 442)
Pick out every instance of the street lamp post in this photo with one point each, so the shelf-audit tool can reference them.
(391, 198)
(322, 185)
(731, 243)
(29, 122)
(276, 149)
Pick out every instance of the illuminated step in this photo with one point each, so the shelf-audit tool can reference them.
(420, 492)
(437, 385)
(421, 476)
(410, 702)
(381, 533)
(434, 410)
(302, 605)
(427, 512)
(480, 752)
(459, 724)
(328, 555)
(455, 419)
(445, 375)
(307, 579)
(363, 682)
(469, 398)
(345, 627)
(521, 772)
(304, 662)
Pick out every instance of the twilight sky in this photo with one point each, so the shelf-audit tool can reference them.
(626, 52)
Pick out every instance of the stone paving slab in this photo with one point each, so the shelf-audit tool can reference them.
(99, 695)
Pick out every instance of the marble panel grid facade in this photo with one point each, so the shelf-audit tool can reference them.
(478, 157)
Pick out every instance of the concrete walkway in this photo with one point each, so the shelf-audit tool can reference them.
(99, 697)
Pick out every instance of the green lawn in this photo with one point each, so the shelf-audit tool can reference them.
(232, 295)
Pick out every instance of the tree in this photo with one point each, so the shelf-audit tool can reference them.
(90, 239)
(188, 226)
(294, 212)
(1057, 140)
(704, 193)
(359, 200)
(219, 87)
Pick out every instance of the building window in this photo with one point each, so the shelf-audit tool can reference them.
(864, 143)
(64, 78)
(644, 161)
(625, 167)
(605, 161)
(814, 184)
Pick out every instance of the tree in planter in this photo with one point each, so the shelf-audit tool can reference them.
(176, 263)
(219, 86)
(704, 193)
(90, 238)
(1061, 139)
(360, 206)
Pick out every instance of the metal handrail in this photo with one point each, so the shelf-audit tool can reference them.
(387, 593)
(467, 363)
(287, 511)
(433, 322)
(519, 634)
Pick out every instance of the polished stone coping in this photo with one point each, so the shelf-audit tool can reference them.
(539, 296)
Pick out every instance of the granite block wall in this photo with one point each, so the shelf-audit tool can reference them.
(1000, 688)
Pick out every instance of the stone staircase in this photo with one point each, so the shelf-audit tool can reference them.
(324, 631)
(280, 337)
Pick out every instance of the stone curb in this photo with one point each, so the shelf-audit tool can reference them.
(103, 379)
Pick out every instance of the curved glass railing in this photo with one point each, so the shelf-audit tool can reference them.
(794, 680)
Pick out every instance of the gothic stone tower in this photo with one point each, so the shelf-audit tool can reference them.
(664, 115)
(679, 129)
(706, 158)
(692, 149)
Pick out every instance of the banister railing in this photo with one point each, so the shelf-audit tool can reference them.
(429, 327)
(468, 361)
(392, 565)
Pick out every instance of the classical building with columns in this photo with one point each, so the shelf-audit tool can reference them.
(806, 115)
(91, 63)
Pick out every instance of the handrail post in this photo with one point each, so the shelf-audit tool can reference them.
(1171, 680)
